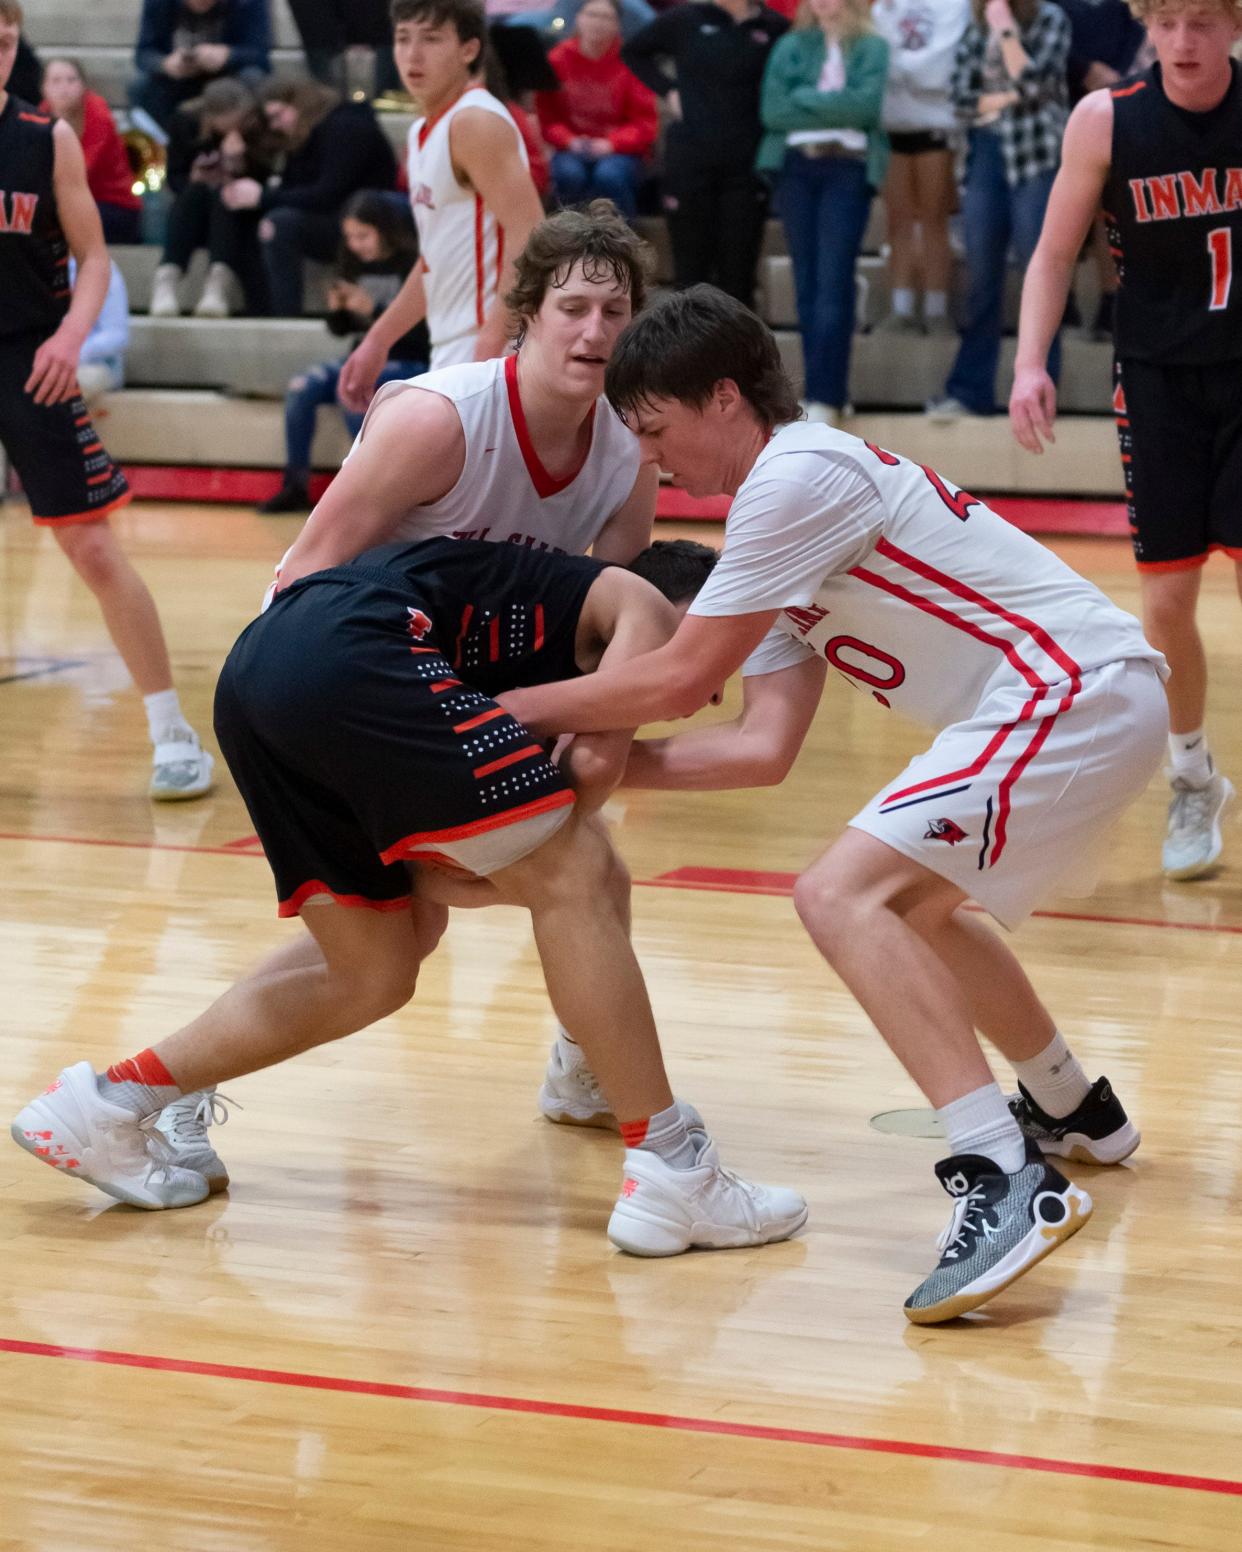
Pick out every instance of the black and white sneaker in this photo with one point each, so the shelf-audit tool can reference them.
(1098, 1132)
(1001, 1226)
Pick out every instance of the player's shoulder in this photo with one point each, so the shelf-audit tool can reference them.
(802, 453)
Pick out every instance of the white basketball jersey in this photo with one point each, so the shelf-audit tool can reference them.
(910, 587)
(504, 493)
(462, 246)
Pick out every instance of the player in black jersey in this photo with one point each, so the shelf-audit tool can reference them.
(1163, 150)
(46, 211)
(357, 717)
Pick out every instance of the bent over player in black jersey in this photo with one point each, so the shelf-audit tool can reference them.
(1164, 152)
(46, 210)
(358, 719)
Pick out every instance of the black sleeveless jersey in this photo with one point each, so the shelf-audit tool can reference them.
(34, 257)
(1173, 207)
(503, 615)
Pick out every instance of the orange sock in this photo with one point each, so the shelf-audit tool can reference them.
(142, 1084)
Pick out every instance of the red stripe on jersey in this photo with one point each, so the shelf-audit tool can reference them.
(467, 614)
(304, 892)
(479, 308)
(545, 484)
(474, 722)
(1010, 779)
(493, 640)
(444, 684)
(538, 626)
(500, 253)
(1129, 91)
(411, 843)
(33, 118)
(528, 751)
(429, 124)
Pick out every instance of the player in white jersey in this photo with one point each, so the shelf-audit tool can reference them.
(472, 194)
(1051, 718)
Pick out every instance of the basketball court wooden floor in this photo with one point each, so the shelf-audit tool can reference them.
(404, 1328)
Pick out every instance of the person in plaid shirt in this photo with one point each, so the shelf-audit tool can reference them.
(1009, 84)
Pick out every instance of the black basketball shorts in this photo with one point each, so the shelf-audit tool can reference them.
(358, 750)
(1180, 429)
(63, 466)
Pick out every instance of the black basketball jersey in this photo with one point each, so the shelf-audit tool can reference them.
(503, 615)
(34, 257)
(1173, 207)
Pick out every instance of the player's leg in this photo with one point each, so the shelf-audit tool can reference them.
(1010, 1208)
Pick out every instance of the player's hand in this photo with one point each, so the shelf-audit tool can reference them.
(54, 374)
(357, 381)
(1033, 408)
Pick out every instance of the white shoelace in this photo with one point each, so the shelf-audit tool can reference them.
(190, 1125)
(954, 1231)
(1192, 811)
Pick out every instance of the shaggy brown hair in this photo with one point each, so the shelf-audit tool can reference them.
(598, 237)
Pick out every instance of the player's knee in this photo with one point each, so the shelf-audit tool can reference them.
(92, 551)
(827, 904)
(378, 989)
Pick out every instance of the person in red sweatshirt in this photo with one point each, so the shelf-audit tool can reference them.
(108, 173)
(602, 122)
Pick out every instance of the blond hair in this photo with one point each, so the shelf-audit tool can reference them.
(11, 13)
(1144, 10)
(855, 18)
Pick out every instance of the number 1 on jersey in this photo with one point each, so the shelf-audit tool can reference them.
(1220, 249)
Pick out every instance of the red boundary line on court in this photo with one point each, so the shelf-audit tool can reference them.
(598, 1414)
(734, 881)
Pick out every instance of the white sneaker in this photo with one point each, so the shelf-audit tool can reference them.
(1193, 842)
(570, 1094)
(71, 1128)
(181, 767)
(945, 410)
(217, 298)
(818, 414)
(164, 301)
(183, 1129)
(662, 1211)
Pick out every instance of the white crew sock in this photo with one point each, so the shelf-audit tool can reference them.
(935, 304)
(1054, 1079)
(664, 1134)
(980, 1122)
(1189, 760)
(903, 301)
(164, 714)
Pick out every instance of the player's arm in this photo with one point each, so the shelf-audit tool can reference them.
(411, 452)
(673, 681)
(487, 151)
(1075, 198)
(628, 531)
(757, 749)
(54, 374)
(365, 362)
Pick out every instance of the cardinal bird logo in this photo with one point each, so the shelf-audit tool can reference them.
(945, 830)
(420, 624)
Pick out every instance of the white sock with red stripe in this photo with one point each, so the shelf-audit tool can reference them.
(142, 1084)
(980, 1122)
(664, 1134)
(1054, 1079)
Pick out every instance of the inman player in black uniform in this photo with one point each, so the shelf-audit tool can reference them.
(46, 210)
(1163, 150)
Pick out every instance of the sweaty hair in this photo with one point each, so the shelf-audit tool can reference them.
(11, 13)
(690, 341)
(466, 17)
(678, 567)
(598, 237)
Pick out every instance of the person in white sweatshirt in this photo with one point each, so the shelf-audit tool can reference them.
(922, 38)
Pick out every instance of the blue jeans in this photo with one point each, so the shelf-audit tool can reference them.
(824, 203)
(995, 215)
(576, 178)
(316, 387)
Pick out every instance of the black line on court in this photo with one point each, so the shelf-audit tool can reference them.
(53, 666)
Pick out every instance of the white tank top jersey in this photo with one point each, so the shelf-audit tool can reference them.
(911, 588)
(504, 493)
(462, 246)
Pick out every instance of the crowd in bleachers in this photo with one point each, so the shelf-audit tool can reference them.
(713, 113)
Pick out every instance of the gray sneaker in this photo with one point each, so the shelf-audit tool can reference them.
(1002, 1225)
(181, 767)
(899, 323)
(183, 1132)
(1193, 843)
(944, 411)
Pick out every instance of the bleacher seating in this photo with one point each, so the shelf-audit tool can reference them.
(208, 393)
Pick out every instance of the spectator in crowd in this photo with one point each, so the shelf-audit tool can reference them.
(602, 122)
(1009, 84)
(183, 44)
(328, 28)
(823, 95)
(379, 248)
(559, 19)
(101, 366)
(1107, 42)
(108, 173)
(919, 192)
(717, 50)
(332, 149)
(217, 139)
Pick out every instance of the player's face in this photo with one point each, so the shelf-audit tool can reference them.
(1192, 41)
(8, 52)
(576, 328)
(433, 62)
(683, 441)
(62, 86)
